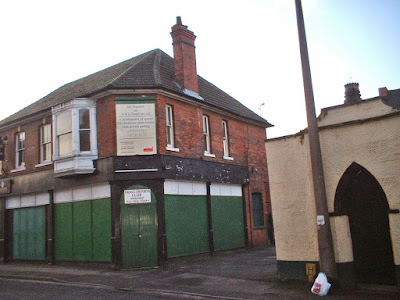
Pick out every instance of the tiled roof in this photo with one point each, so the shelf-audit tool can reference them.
(154, 69)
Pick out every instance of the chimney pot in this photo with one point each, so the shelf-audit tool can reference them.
(352, 93)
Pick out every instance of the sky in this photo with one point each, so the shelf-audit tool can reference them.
(249, 49)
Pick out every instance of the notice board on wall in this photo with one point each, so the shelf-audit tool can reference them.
(136, 128)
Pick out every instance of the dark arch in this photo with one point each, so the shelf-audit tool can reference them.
(360, 196)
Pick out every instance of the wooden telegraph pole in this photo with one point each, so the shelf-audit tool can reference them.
(325, 243)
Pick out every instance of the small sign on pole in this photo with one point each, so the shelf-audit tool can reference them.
(139, 196)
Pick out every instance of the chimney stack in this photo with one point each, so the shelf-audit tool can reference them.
(383, 92)
(184, 56)
(352, 93)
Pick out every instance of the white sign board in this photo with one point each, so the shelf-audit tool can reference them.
(137, 196)
(320, 220)
(136, 129)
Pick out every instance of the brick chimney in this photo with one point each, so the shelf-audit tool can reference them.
(184, 57)
(383, 92)
(352, 93)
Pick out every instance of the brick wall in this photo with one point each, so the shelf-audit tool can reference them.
(246, 146)
(106, 134)
(257, 164)
(32, 147)
(246, 142)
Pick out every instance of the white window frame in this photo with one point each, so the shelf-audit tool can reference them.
(20, 164)
(169, 124)
(44, 144)
(225, 140)
(207, 136)
(66, 132)
(82, 130)
(75, 106)
(76, 162)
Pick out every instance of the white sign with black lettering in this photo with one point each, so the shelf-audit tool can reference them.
(137, 196)
(136, 129)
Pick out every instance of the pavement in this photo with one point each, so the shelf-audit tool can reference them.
(239, 274)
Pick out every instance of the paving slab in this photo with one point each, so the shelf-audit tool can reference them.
(239, 274)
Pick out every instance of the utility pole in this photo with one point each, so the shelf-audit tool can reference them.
(325, 243)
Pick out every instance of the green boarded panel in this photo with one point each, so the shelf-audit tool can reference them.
(29, 233)
(186, 225)
(101, 222)
(228, 226)
(82, 230)
(17, 234)
(39, 223)
(63, 231)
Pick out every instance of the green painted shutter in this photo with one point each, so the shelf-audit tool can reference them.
(29, 233)
(228, 225)
(83, 230)
(187, 225)
(63, 231)
(101, 216)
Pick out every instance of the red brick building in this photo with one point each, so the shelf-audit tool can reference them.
(132, 165)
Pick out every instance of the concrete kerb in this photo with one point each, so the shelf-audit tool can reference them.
(147, 291)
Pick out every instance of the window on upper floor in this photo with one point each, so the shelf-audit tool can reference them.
(84, 130)
(45, 143)
(170, 129)
(225, 140)
(206, 133)
(207, 136)
(20, 150)
(75, 136)
(64, 137)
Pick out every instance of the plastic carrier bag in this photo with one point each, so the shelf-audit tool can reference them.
(321, 285)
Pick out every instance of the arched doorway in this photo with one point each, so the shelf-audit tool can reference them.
(360, 196)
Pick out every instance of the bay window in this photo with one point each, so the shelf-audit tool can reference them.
(75, 137)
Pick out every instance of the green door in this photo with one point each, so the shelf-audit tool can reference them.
(186, 225)
(228, 223)
(139, 230)
(29, 233)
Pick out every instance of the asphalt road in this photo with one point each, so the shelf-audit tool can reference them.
(11, 289)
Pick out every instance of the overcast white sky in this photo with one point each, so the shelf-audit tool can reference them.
(247, 48)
